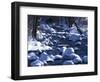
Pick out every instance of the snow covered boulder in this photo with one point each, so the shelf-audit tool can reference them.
(58, 57)
(74, 35)
(62, 49)
(68, 62)
(77, 60)
(49, 29)
(36, 45)
(50, 60)
(44, 57)
(73, 29)
(32, 56)
(67, 51)
(52, 30)
(37, 63)
(52, 56)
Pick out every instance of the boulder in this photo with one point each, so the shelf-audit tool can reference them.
(67, 51)
(74, 37)
(58, 60)
(44, 57)
(68, 62)
(37, 63)
(70, 56)
(32, 56)
(85, 59)
(77, 60)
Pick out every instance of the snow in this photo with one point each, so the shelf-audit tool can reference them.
(45, 57)
(58, 57)
(73, 29)
(36, 45)
(77, 60)
(37, 63)
(32, 56)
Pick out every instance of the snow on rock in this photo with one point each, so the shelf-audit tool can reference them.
(78, 43)
(74, 35)
(58, 60)
(77, 60)
(36, 45)
(44, 57)
(37, 63)
(58, 57)
(32, 56)
(52, 30)
(47, 28)
(68, 51)
(52, 56)
(73, 29)
(63, 49)
(46, 41)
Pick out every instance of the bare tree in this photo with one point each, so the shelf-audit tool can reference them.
(35, 25)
